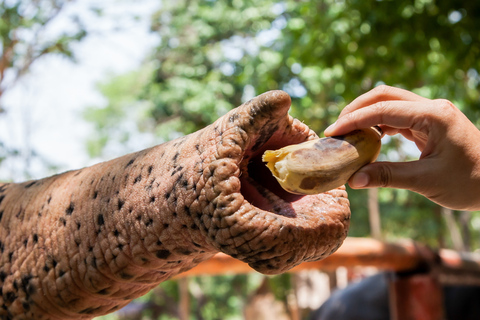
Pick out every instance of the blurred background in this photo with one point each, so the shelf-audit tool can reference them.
(85, 81)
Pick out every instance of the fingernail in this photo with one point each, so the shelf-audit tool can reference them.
(330, 127)
(359, 180)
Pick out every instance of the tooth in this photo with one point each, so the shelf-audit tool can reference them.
(323, 164)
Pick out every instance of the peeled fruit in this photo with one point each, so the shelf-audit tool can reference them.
(323, 164)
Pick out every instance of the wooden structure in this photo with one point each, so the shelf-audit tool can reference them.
(419, 272)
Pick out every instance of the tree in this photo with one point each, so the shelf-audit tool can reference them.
(24, 32)
(25, 37)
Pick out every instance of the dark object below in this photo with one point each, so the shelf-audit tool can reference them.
(368, 299)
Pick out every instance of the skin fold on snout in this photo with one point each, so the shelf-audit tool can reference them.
(86, 242)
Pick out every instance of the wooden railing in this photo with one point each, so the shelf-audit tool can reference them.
(419, 272)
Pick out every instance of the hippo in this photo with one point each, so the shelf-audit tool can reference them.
(86, 242)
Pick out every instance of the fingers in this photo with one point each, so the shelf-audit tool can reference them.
(402, 175)
(395, 114)
(381, 93)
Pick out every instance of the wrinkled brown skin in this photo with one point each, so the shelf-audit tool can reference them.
(84, 243)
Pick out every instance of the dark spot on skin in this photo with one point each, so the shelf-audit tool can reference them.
(139, 217)
(1, 215)
(46, 268)
(179, 179)
(233, 117)
(10, 256)
(25, 242)
(166, 225)
(2, 247)
(116, 233)
(95, 195)
(159, 243)
(49, 199)
(175, 157)
(150, 169)
(10, 297)
(125, 276)
(61, 273)
(78, 225)
(35, 237)
(149, 222)
(63, 221)
(120, 246)
(137, 179)
(163, 254)
(176, 170)
(196, 245)
(30, 184)
(26, 306)
(184, 251)
(120, 204)
(89, 310)
(103, 292)
(167, 195)
(20, 214)
(3, 276)
(1, 198)
(70, 209)
(152, 199)
(100, 220)
(130, 163)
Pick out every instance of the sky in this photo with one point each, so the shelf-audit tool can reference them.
(44, 109)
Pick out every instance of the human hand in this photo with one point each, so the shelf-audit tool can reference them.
(448, 170)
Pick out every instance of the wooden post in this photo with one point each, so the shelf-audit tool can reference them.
(374, 214)
(452, 226)
(184, 304)
(416, 297)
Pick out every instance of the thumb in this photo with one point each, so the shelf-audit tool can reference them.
(401, 175)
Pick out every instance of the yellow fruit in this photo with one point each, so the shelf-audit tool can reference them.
(323, 164)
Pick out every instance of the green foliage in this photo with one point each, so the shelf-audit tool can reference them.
(24, 35)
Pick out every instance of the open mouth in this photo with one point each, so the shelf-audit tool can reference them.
(260, 188)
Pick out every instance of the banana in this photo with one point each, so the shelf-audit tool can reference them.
(323, 164)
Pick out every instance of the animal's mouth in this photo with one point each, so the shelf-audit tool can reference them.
(260, 188)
